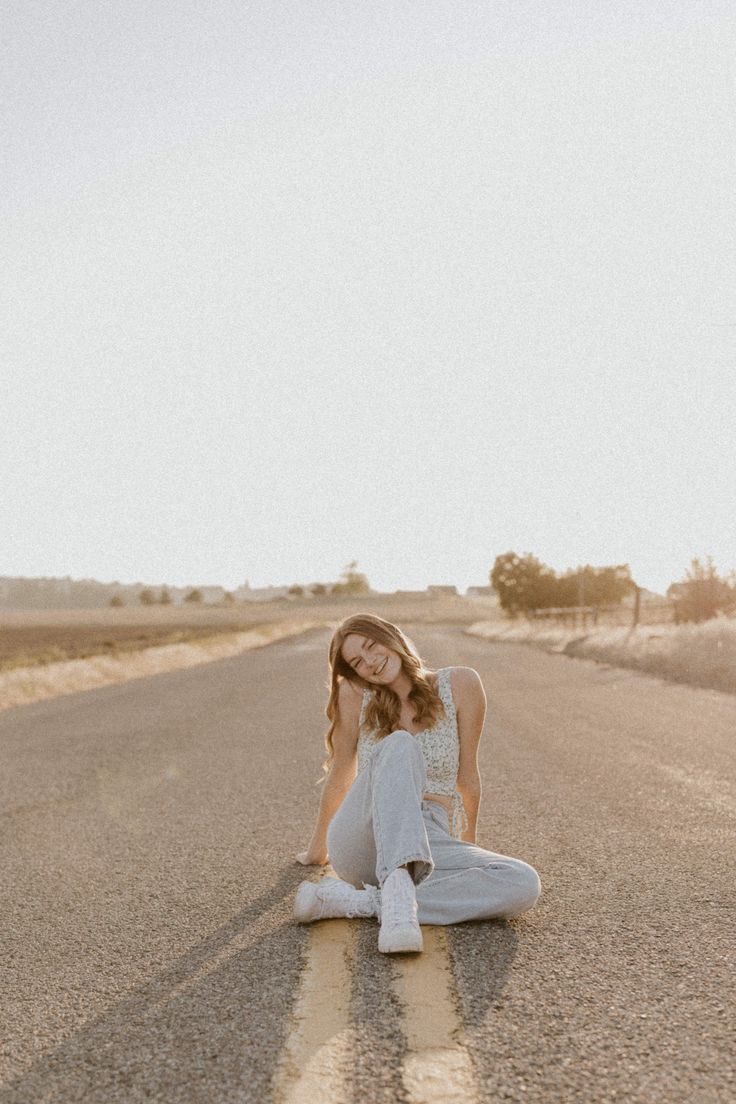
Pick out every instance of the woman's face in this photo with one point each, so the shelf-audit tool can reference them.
(374, 662)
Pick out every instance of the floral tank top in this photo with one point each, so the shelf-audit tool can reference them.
(440, 746)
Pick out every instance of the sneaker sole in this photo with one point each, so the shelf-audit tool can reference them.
(401, 940)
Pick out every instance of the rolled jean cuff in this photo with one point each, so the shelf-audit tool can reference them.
(423, 867)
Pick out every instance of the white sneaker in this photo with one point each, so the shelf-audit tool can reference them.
(400, 929)
(330, 897)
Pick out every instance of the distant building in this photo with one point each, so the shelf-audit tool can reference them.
(480, 592)
(212, 595)
(437, 591)
(247, 593)
(410, 594)
(178, 594)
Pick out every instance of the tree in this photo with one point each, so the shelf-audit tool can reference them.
(116, 601)
(146, 597)
(194, 595)
(702, 593)
(296, 590)
(352, 581)
(593, 586)
(522, 583)
(318, 590)
(165, 597)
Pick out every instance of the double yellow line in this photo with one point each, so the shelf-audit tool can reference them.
(317, 1058)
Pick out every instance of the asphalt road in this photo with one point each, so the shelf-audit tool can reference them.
(148, 835)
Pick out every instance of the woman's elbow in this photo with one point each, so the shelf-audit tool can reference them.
(341, 776)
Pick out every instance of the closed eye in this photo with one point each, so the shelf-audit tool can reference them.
(359, 659)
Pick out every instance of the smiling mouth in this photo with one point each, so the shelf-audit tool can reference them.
(379, 669)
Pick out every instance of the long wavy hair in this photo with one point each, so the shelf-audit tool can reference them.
(384, 707)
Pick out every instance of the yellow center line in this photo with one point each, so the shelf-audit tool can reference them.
(437, 1065)
(318, 1056)
(316, 1060)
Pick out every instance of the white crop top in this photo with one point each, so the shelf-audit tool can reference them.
(440, 746)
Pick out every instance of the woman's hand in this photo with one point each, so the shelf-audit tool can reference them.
(308, 859)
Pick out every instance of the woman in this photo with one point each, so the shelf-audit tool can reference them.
(404, 828)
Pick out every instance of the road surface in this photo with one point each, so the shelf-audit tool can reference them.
(148, 838)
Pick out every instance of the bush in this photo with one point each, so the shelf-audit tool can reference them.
(701, 594)
(352, 581)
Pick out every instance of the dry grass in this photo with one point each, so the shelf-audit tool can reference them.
(23, 685)
(50, 652)
(701, 655)
(50, 636)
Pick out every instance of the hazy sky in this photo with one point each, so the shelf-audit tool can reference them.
(288, 284)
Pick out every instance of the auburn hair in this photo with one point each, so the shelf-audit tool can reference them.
(384, 707)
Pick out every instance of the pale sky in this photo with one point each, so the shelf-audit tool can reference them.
(288, 284)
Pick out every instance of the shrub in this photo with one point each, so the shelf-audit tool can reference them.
(701, 594)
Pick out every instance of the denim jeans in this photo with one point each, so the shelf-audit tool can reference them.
(385, 822)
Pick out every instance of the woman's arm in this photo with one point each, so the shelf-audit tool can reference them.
(342, 772)
(470, 705)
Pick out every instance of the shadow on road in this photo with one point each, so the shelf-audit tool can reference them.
(481, 954)
(212, 1023)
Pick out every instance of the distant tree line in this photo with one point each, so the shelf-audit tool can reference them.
(524, 583)
(351, 581)
(149, 597)
(54, 593)
(22, 593)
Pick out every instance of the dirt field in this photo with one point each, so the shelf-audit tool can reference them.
(47, 636)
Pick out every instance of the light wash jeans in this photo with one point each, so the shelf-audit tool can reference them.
(384, 822)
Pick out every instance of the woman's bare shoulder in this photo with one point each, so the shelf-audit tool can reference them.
(464, 676)
(346, 732)
(466, 684)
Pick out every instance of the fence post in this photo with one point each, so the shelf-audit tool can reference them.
(637, 605)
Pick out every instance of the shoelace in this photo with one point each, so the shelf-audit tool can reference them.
(372, 903)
